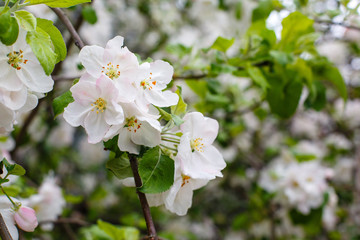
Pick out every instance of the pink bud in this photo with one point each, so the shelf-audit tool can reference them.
(26, 219)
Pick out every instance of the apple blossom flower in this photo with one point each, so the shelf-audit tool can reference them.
(95, 107)
(14, 100)
(114, 62)
(139, 128)
(152, 79)
(196, 155)
(19, 66)
(48, 203)
(26, 219)
(178, 198)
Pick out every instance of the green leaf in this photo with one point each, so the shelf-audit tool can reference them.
(55, 36)
(120, 167)
(294, 27)
(26, 20)
(177, 120)
(281, 57)
(57, 3)
(61, 102)
(41, 44)
(284, 98)
(9, 29)
(12, 190)
(180, 108)
(178, 50)
(222, 44)
(13, 169)
(317, 97)
(119, 233)
(156, 171)
(89, 14)
(257, 76)
(263, 9)
(17, 170)
(333, 75)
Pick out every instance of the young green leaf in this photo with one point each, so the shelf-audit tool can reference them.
(17, 170)
(223, 44)
(61, 102)
(9, 29)
(180, 108)
(41, 44)
(257, 76)
(120, 167)
(118, 233)
(89, 14)
(156, 171)
(57, 3)
(55, 36)
(26, 20)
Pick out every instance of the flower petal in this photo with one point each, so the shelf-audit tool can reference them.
(125, 143)
(92, 59)
(95, 126)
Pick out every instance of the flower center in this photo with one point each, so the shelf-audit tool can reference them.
(132, 124)
(16, 59)
(147, 83)
(197, 145)
(111, 71)
(99, 105)
(185, 179)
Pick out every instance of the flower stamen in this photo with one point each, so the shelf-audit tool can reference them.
(147, 83)
(185, 179)
(99, 105)
(132, 124)
(197, 145)
(111, 71)
(16, 59)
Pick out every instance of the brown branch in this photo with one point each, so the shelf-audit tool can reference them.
(75, 221)
(4, 231)
(337, 23)
(74, 34)
(143, 201)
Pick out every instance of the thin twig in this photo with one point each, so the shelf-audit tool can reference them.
(75, 221)
(337, 23)
(143, 201)
(74, 34)
(4, 231)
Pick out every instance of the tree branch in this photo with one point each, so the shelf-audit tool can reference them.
(337, 23)
(143, 201)
(4, 231)
(74, 34)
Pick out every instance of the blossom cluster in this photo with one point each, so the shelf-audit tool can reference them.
(300, 185)
(119, 96)
(22, 81)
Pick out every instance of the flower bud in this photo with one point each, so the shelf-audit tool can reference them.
(25, 218)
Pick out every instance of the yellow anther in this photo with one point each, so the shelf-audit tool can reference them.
(185, 179)
(132, 124)
(99, 105)
(16, 59)
(197, 145)
(111, 71)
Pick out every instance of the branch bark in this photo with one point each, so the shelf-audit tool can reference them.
(74, 34)
(143, 201)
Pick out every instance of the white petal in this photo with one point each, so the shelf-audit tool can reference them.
(30, 104)
(115, 44)
(113, 130)
(76, 113)
(162, 72)
(125, 143)
(182, 201)
(85, 93)
(14, 99)
(7, 118)
(92, 59)
(146, 135)
(200, 127)
(95, 126)
(34, 77)
(9, 80)
(161, 99)
(155, 200)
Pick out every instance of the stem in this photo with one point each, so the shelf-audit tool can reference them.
(74, 34)
(143, 201)
(14, 204)
(170, 148)
(170, 140)
(4, 231)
